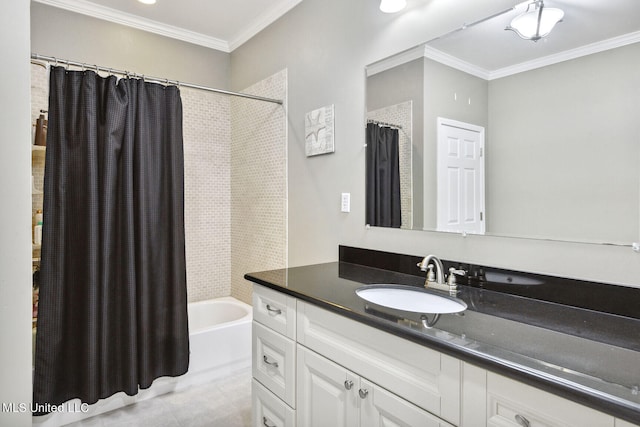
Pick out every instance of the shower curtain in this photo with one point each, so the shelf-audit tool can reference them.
(113, 308)
(383, 177)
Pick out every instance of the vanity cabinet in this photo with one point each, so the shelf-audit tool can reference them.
(273, 358)
(313, 367)
(423, 377)
(503, 402)
(331, 395)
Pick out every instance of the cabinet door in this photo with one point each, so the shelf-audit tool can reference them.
(379, 407)
(327, 392)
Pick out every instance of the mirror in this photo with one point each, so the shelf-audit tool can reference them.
(561, 122)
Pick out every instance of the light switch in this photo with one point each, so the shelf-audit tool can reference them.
(346, 202)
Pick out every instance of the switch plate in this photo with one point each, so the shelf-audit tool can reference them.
(345, 205)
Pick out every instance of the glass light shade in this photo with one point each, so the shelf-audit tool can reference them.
(392, 6)
(147, 1)
(526, 24)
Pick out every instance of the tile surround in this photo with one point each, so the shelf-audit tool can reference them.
(258, 183)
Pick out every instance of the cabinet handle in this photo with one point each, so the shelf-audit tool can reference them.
(265, 359)
(265, 422)
(522, 421)
(363, 392)
(348, 384)
(275, 311)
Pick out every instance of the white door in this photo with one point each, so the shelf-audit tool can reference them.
(460, 169)
(380, 407)
(326, 392)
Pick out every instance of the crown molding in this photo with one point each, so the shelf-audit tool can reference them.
(467, 67)
(567, 55)
(262, 22)
(133, 21)
(457, 63)
(395, 60)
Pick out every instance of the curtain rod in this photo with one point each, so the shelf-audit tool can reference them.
(391, 125)
(97, 68)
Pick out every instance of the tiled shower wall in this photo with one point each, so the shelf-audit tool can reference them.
(258, 183)
(226, 236)
(207, 182)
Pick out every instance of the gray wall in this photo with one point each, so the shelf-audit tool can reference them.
(68, 35)
(325, 44)
(402, 83)
(451, 94)
(15, 223)
(563, 151)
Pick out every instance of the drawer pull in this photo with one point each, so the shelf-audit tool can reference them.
(265, 359)
(363, 392)
(522, 421)
(272, 310)
(348, 384)
(265, 422)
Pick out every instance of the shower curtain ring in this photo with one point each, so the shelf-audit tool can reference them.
(96, 67)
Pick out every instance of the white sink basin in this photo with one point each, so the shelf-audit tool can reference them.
(409, 298)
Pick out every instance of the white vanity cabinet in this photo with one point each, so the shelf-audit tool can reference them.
(493, 400)
(417, 375)
(331, 395)
(273, 358)
(313, 367)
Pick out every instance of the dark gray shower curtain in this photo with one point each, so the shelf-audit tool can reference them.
(112, 310)
(383, 177)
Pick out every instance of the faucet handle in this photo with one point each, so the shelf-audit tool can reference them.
(451, 280)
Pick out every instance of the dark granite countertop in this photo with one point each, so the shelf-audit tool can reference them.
(587, 356)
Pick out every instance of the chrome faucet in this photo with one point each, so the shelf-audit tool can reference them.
(438, 281)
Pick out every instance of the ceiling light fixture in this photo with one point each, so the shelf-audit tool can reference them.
(392, 6)
(537, 22)
(147, 1)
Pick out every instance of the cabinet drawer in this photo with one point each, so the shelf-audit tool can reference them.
(275, 310)
(511, 403)
(274, 362)
(268, 410)
(422, 376)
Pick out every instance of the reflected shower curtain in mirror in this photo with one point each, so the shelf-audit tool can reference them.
(383, 177)
(113, 307)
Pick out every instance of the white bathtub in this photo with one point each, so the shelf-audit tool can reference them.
(219, 337)
(219, 344)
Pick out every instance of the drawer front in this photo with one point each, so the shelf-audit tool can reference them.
(268, 410)
(416, 373)
(274, 362)
(275, 310)
(511, 403)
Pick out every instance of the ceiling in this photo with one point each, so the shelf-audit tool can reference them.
(588, 26)
(219, 24)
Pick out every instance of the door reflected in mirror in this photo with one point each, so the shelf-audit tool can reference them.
(560, 120)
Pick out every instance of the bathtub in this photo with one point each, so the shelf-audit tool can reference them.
(219, 344)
